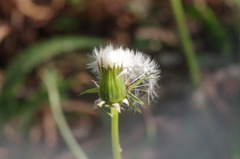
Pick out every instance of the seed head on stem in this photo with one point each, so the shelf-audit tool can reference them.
(123, 77)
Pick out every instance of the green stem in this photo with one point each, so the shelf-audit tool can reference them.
(115, 134)
(186, 41)
(236, 141)
(50, 83)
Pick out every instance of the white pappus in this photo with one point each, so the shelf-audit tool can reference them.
(138, 72)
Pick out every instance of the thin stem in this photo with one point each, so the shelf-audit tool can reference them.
(236, 141)
(186, 41)
(50, 83)
(151, 126)
(115, 134)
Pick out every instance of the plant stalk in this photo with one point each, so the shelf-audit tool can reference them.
(115, 134)
(186, 41)
(54, 99)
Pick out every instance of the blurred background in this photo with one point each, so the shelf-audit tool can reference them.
(188, 121)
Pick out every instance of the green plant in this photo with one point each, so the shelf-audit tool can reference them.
(28, 60)
(49, 79)
(216, 35)
(124, 76)
(186, 41)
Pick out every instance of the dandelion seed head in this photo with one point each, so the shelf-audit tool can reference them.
(136, 65)
(110, 57)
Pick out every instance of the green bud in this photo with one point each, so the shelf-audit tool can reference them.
(112, 87)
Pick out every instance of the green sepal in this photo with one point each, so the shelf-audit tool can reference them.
(133, 106)
(110, 114)
(135, 98)
(138, 82)
(112, 87)
(92, 90)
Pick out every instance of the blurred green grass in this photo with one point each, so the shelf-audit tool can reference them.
(28, 60)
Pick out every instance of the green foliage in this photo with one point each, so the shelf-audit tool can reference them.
(31, 58)
(186, 41)
(217, 36)
(67, 23)
(49, 78)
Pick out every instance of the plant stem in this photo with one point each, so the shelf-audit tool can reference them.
(186, 41)
(151, 127)
(50, 83)
(236, 141)
(115, 134)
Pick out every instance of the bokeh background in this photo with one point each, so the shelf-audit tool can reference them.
(186, 122)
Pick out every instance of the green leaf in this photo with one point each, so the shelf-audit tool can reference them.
(135, 98)
(133, 106)
(92, 90)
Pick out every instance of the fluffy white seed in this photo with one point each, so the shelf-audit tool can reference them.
(136, 65)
